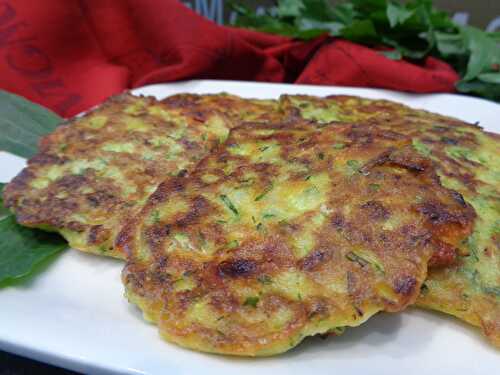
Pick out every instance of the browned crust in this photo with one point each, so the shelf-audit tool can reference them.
(466, 158)
(223, 275)
(90, 205)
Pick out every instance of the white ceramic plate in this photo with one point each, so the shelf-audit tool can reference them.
(74, 314)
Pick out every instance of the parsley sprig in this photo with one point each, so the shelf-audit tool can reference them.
(414, 30)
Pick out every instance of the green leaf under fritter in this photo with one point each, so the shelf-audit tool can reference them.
(21, 248)
(22, 123)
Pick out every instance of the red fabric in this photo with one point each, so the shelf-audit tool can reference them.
(348, 64)
(71, 54)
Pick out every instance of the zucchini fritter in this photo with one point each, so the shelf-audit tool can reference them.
(288, 231)
(468, 160)
(96, 171)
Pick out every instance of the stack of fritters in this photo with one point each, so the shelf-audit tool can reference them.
(275, 220)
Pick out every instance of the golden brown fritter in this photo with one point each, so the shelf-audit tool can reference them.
(288, 231)
(468, 160)
(96, 171)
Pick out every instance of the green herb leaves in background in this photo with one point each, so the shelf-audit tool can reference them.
(414, 30)
(22, 123)
(21, 249)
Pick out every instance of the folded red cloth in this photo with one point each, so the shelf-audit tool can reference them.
(70, 55)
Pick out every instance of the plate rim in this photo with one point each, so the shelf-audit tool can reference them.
(80, 364)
